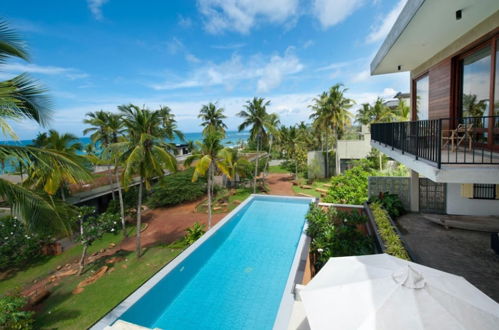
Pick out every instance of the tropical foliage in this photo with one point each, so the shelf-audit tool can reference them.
(333, 235)
(261, 124)
(21, 97)
(176, 188)
(194, 232)
(391, 240)
(13, 313)
(18, 246)
(330, 115)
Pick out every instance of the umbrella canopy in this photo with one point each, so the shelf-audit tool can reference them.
(383, 292)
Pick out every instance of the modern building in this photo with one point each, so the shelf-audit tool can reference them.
(451, 49)
(347, 151)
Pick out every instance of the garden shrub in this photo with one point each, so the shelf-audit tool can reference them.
(176, 188)
(332, 236)
(17, 244)
(351, 186)
(194, 232)
(391, 203)
(391, 239)
(13, 315)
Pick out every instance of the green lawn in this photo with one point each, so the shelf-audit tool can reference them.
(312, 192)
(47, 265)
(65, 310)
(278, 169)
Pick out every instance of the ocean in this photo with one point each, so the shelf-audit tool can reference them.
(232, 138)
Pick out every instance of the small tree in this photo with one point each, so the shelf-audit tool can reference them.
(92, 227)
(13, 314)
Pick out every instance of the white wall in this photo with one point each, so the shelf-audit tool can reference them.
(466, 206)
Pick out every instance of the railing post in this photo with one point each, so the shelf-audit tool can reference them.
(417, 139)
(439, 141)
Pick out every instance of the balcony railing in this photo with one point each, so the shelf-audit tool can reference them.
(469, 140)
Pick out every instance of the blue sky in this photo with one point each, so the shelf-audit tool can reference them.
(97, 54)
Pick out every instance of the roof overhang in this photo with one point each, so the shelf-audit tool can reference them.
(424, 28)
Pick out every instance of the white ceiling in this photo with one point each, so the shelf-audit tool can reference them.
(431, 27)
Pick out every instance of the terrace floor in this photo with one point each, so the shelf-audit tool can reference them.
(466, 156)
(461, 252)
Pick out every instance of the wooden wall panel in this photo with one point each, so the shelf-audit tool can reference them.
(440, 90)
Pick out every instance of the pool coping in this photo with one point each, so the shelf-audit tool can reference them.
(285, 307)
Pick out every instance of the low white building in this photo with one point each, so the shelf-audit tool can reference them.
(349, 150)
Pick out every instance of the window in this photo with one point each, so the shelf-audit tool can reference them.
(475, 83)
(421, 97)
(484, 191)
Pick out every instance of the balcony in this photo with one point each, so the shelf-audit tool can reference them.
(439, 147)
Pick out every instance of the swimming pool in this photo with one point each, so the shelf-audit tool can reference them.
(234, 277)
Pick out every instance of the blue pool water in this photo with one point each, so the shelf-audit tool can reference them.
(236, 278)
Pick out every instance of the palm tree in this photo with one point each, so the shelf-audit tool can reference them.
(212, 118)
(402, 110)
(55, 179)
(273, 135)
(143, 153)
(255, 116)
(330, 113)
(206, 162)
(23, 98)
(233, 163)
(170, 124)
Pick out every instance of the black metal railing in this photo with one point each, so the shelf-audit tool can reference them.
(469, 140)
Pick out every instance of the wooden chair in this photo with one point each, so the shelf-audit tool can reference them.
(463, 133)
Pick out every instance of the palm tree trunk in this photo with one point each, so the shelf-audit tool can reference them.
(210, 183)
(110, 176)
(268, 157)
(122, 206)
(139, 219)
(256, 164)
(326, 172)
(296, 169)
(82, 259)
(63, 195)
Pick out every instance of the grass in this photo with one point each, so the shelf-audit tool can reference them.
(312, 192)
(47, 264)
(278, 169)
(232, 200)
(65, 310)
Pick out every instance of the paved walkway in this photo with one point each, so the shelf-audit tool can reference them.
(462, 252)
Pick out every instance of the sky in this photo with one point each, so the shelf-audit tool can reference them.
(98, 54)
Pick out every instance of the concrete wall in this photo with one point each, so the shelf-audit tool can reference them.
(399, 185)
(466, 206)
(315, 164)
(353, 149)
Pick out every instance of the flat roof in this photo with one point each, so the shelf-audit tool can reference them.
(424, 28)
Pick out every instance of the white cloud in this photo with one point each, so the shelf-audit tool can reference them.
(268, 72)
(308, 43)
(361, 76)
(184, 22)
(332, 12)
(95, 7)
(70, 73)
(276, 69)
(383, 26)
(243, 15)
(229, 46)
(191, 58)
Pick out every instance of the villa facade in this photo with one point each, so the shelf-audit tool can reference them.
(451, 49)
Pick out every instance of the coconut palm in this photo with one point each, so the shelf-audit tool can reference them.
(143, 153)
(206, 161)
(170, 124)
(212, 118)
(273, 136)
(21, 97)
(255, 116)
(402, 111)
(330, 113)
(53, 180)
(234, 164)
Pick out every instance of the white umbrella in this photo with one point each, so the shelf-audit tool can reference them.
(383, 292)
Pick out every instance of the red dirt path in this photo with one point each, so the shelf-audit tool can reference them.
(166, 225)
